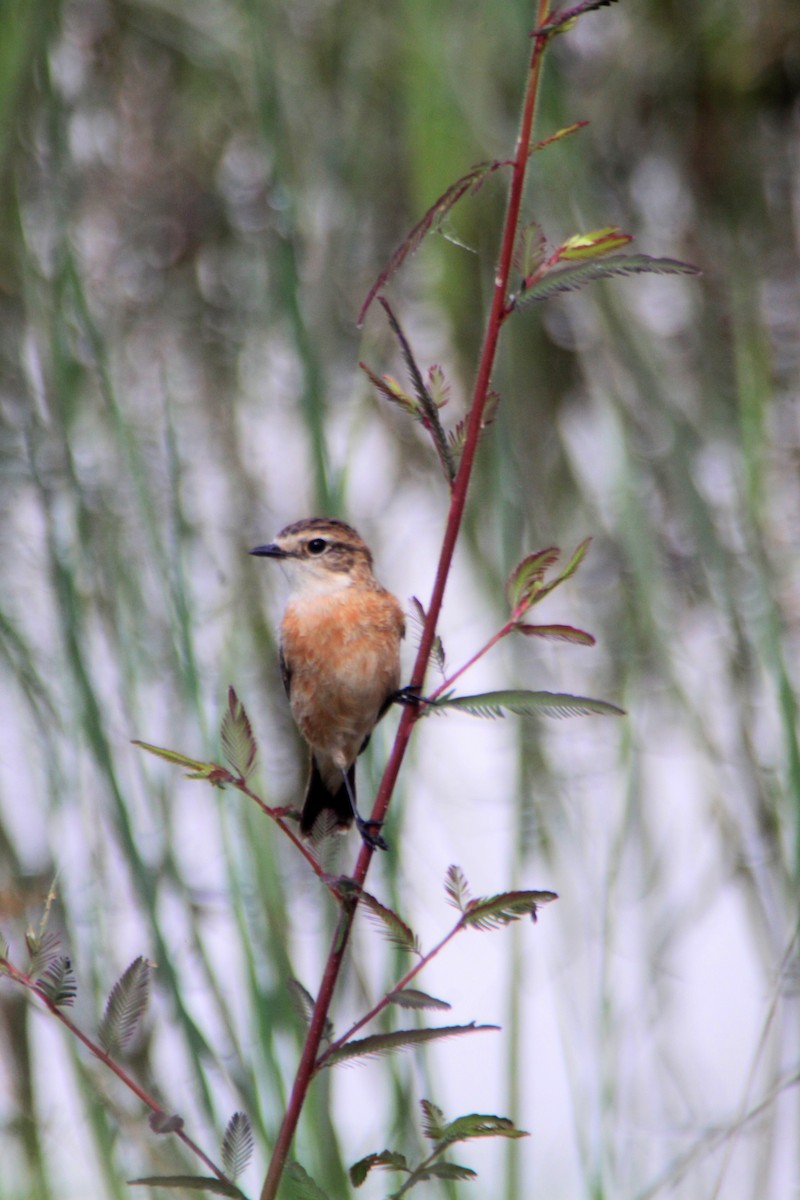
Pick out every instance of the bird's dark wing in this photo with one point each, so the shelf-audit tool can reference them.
(286, 674)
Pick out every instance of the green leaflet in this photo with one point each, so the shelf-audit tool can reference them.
(300, 1186)
(391, 1160)
(193, 1183)
(494, 911)
(236, 736)
(401, 1039)
(125, 1007)
(569, 279)
(394, 927)
(527, 704)
(457, 888)
(478, 1125)
(237, 1144)
(412, 998)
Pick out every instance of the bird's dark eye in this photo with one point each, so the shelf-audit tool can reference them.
(316, 545)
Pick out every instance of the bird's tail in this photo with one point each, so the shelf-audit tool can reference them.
(320, 798)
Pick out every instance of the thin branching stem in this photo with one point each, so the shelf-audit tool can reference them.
(499, 311)
(485, 648)
(277, 816)
(130, 1083)
(386, 999)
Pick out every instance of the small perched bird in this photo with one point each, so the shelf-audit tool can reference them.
(340, 658)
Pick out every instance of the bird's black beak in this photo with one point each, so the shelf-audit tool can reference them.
(272, 550)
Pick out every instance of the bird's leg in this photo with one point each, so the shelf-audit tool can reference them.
(369, 830)
(410, 694)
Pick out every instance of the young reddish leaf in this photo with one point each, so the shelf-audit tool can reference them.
(433, 1121)
(457, 888)
(568, 571)
(391, 390)
(526, 578)
(594, 244)
(558, 135)
(438, 386)
(531, 250)
(563, 20)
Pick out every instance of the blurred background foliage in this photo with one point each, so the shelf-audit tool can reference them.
(196, 196)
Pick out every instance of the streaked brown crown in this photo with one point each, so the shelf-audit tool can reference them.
(329, 544)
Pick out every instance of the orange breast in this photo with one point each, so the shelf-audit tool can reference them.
(343, 652)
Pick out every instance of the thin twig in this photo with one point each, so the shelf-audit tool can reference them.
(130, 1083)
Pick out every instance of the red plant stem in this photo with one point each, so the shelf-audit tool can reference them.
(410, 713)
(276, 815)
(130, 1083)
(305, 1069)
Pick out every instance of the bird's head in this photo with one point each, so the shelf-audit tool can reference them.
(320, 554)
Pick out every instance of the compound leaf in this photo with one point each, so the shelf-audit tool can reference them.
(390, 1160)
(433, 1122)
(236, 736)
(58, 982)
(527, 704)
(411, 998)
(570, 279)
(433, 218)
(557, 633)
(527, 577)
(394, 928)
(457, 888)
(211, 771)
(494, 911)
(300, 1185)
(191, 1183)
(43, 950)
(447, 1170)
(303, 1003)
(478, 1125)
(237, 1144)
(401, 1039)
(125, 1007)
